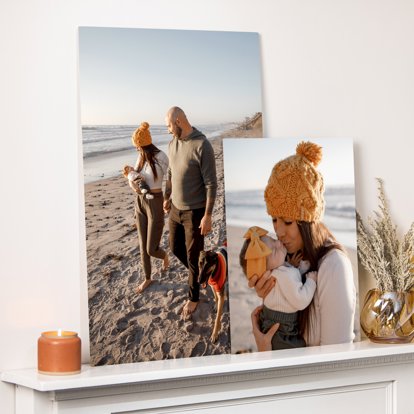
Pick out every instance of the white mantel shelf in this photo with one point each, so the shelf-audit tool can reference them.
(374, 377)
(190, 368)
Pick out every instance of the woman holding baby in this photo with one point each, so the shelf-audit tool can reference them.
(294, 199)
(151, 165)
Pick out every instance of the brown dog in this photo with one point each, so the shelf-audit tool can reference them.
(213, 270)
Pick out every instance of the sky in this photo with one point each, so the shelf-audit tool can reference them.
(130, 75)
(249, 162)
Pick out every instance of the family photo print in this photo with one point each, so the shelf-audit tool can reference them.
(302, 193)
(156, 106)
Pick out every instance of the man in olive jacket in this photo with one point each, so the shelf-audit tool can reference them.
(189, 196)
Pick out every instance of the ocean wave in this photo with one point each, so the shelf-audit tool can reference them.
(111, 139)
(339, 190)
(347, 211)
(92, 154)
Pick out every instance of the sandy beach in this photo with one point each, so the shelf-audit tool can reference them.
(129, 327)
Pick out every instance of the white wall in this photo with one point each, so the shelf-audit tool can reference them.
(330, 69)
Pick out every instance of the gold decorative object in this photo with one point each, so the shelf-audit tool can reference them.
(387, 313)
(388, 317)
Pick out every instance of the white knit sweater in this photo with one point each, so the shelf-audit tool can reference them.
(331, 316)
(289, 294)
(161, 166)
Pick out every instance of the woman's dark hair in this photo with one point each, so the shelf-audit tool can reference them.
(242, 256)
(148, 155)
(317, 242)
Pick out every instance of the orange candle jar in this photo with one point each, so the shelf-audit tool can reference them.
(59, 353)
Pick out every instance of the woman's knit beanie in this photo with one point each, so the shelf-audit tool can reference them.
(295, 188)
(141, 136)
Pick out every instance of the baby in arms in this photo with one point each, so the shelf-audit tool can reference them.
(260, 253)
(136, 181)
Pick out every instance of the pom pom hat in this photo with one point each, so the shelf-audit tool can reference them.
(295, 187)
(141, 136)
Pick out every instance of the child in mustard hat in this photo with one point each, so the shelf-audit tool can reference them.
(261, 252)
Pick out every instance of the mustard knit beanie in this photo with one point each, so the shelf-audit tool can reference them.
(141, 136)
(295, 188)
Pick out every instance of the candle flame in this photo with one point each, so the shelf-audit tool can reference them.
(59, 332)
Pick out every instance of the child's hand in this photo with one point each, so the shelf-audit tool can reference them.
(295, 259)
(263, 341)
(313, 276)
(263, 284)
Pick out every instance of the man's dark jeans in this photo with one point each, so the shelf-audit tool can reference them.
(186, 242)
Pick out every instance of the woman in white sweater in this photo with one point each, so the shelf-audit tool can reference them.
(294, 199)
(152, 165)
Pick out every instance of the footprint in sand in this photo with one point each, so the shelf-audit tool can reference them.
(133, 278)
(172, 316)
(165, 348)
(178, 354)
(199, 349)
(131, 316)
(135, 337)
(189, 326)
(94, 295)
(113, 276)
(106, 360)
(122, 324)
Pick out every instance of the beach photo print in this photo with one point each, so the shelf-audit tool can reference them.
(316, 183)
(155, 102)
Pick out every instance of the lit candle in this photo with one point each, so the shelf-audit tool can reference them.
(59, 353)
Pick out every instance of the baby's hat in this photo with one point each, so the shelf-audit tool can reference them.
(295, 187)
(256, 252)
(126, 170)
(141, 136)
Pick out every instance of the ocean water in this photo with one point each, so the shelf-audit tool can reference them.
(247, 208)
(101, 140)
(107, 148)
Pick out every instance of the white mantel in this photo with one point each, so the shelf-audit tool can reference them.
(370, 377)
